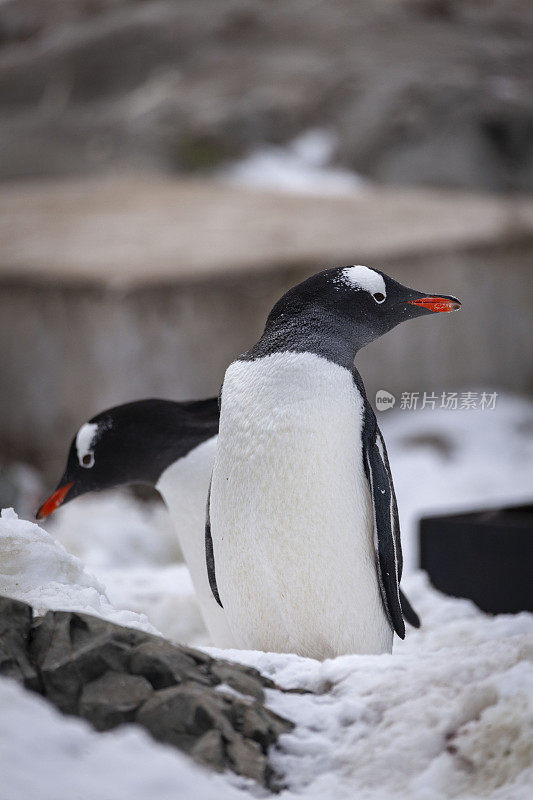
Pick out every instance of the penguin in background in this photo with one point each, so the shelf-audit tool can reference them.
(302, 537)
(160, 443)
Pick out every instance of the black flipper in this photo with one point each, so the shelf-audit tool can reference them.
(409, 614)
(386, 537)
(209, 554)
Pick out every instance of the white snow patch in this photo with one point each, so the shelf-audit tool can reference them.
(301, 166)
(165, 594)
(38, 570)
(111, 529)
(448, 715)
(47, 756)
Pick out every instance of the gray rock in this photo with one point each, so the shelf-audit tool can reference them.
(183, 714)
(112, 675)
(165, 665)
(15, 624)
(217, 729)
(247, 759)
(71, 650)
(210, 750)
(113, 699)
(255, 722)
(239, 681)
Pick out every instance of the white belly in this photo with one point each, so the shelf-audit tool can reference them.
(291, 513)
(184, 487)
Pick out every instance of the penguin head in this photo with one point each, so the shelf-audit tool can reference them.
(131, 443)
(98, 458)
(355, 303)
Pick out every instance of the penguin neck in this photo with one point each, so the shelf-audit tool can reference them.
(314, 330)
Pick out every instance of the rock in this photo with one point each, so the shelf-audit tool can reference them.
(218, 729)
(15, 624)
(417, 91)
(257, 723)
(183, 714)
(73, 649)
(239, 681)
(212, 709)
(164, 665)
(247, 759)
(209, 749)
(113, 699)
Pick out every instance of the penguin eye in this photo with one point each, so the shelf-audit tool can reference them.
(88, 460)
(378, 297)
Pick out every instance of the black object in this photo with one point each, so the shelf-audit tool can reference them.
(486, 556)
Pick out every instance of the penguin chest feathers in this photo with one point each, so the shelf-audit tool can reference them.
(291, 513)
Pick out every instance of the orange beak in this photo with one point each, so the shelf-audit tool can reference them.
(438, 304)
(53, 502)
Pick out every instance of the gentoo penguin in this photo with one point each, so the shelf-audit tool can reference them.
(169, 445)
(302, 535)
(165, 444)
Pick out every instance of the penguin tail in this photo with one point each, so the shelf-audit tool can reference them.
(408, 611)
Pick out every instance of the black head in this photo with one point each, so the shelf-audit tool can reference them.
(336, 312)
(132, 443)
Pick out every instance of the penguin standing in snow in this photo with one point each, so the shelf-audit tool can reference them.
(168, 445)
(302, 537)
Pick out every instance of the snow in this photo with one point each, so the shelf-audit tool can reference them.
(448, 715)
(301, 166)
(46, 756)
(110, 529)
(38, 570)
(164, 594)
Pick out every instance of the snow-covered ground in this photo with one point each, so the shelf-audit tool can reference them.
(302, 166)
(448, 715)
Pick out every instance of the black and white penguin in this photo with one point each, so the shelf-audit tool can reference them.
(168, 445)
(165, 444)
(302, 536)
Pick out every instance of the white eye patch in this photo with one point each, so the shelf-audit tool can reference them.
(84, 441)
(360, 277)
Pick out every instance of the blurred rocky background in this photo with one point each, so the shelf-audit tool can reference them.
(170, 167)
(431, 92)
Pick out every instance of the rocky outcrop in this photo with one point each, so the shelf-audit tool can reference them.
(212, 709)
(418, 91)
